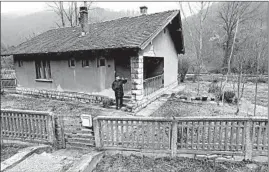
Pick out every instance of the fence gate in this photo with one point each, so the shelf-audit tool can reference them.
(74, 134)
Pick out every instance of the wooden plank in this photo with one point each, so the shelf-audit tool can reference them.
(26, 126)
(116, 133)
(237, 135)
(259, 135)
(264, 135)
(203, 134)
(112, 132)
(105, 136)
(153, 135)
(128, 138)
(220, 135)
(192, 134)
(158, 135)
(143, 134)
(226, 136)
(209, 135)
(215, 138)
(232, 143)
(32, 136)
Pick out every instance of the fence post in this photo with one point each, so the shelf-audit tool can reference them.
(174, 138)
(248, 138)
(51, 129)
(96, 129)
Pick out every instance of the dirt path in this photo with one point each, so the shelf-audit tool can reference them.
(152, 107)
(57, 161)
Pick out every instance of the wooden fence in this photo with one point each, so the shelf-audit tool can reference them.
(8, 83)
(214, 135)
(153, 84)
(33, 126)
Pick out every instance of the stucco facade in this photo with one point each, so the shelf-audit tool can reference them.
(64, 78)
(163, 46)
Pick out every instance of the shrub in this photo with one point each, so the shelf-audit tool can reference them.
(214, 88)
(260, 80)
(229, 96)
(183, 68)
(107, 103)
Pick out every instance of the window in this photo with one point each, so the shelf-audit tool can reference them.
(72, 63)
(85, 63)
(43, 69)
(102, 62)
(20, 63)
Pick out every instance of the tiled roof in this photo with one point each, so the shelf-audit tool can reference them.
(127, 32)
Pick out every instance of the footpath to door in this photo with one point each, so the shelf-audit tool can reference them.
(153, 106)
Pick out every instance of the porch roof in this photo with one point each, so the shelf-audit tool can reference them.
(128, 32)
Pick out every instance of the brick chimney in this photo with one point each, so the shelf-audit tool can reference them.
(83, 19)
(143, 10)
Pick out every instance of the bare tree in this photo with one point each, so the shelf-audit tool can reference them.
(229, 14)
(58, 8)
(67, 11)
(197, 32)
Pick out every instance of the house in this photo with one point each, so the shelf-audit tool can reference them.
(86, 58)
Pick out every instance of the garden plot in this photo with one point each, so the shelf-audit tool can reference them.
(180, 108)
(118, 162)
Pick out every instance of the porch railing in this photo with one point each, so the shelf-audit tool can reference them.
(153, 84)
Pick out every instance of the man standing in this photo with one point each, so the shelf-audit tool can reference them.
(117, 86)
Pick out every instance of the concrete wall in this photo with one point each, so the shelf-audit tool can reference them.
(163, 46)
(78, 78)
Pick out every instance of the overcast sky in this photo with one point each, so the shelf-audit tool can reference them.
(22, 8)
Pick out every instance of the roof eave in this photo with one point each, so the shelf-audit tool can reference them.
(149, 40)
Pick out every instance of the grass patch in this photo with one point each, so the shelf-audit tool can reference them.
(118, 162)
(10, 149)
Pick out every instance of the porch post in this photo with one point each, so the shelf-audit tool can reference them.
(137, 77)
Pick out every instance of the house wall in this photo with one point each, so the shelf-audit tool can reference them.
(65, 78)
(163, 46)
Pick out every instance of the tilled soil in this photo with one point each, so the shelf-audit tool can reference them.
(178, 108)
(133, 163)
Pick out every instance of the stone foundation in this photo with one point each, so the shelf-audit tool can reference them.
(58, 95)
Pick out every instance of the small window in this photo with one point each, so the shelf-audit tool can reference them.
(164, 30)
(102, 62)
(20, 63)
(85, 63)
(72, 63)
(43, 69)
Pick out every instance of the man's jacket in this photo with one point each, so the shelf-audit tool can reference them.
(117, 86)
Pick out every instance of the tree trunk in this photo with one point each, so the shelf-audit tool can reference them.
(256, 84)
(76, 13)
(229, 60)
(62, 13)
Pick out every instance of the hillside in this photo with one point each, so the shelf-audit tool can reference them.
(212, 50)
(15, 30)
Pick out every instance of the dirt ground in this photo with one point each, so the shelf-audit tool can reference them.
(135, 163)
(61, 108)
(176, 107)
(10, 149)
